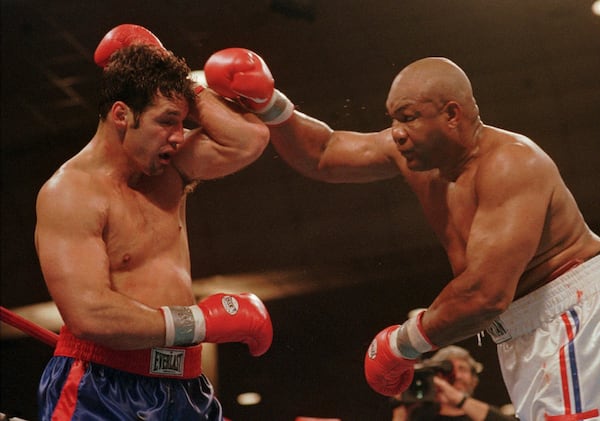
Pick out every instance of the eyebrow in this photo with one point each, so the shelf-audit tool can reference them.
(171, 112)
(402, 107)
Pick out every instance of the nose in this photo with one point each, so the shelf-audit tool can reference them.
(398, 133)
(176, 138)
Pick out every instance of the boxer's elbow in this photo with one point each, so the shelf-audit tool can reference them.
(250, 149)
(258, 144)
(83, 329)
(90, 323)
(491, 305)
(257, 137)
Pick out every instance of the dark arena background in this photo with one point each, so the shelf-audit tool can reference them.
(334, 263)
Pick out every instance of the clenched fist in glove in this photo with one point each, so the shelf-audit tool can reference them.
(221, 318)
(238, 318)
(390, 359)
(242, 75)
(122, 36)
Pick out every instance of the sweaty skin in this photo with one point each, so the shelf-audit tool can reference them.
(495, 200)
(111, 229)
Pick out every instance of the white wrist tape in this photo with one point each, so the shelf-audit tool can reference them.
(183, 325)
(277, 111)
(411, 340)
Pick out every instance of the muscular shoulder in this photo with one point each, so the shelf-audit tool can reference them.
(70, 180)
(507, 157)
(72, 195)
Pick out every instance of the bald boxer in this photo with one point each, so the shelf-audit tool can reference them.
(113, 248)
(525, 264)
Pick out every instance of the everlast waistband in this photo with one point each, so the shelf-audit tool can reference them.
(166, 362)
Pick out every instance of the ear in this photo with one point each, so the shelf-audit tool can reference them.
(453, 112)
(475, 381)
(120, 113)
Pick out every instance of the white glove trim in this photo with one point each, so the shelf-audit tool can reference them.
(200, 324)
(416, 334)
(393, 339)
(169, 326)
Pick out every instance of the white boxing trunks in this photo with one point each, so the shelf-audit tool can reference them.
(549, 348)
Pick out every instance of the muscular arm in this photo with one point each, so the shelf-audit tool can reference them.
(227, 139)
(513, 191)
(71, 216)
(306, 144)
(316, 151)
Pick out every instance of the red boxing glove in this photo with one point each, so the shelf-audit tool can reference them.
(237, 318)
(386, 371)
(238, 73)
(242, 75)
(123, 36)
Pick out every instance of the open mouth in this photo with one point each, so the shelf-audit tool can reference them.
(410, 154)
(164, 157)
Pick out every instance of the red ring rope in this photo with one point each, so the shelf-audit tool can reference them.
(32, 329)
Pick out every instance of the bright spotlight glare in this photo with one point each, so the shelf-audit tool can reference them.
(198, 76)
(249, 398)
(596, 7)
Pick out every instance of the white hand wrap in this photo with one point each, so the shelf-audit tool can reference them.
(411, 340)
(277, 111)
(183, 325)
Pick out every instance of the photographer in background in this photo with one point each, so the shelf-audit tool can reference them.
(450, 397)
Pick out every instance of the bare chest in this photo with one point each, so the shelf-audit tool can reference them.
(141, 228)
(450, 209)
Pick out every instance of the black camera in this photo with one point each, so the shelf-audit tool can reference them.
(422, 388)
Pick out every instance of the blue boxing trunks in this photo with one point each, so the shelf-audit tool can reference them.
(85, 381)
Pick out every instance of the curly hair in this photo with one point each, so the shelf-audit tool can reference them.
(137, 73)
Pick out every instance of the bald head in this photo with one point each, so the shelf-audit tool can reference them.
(436, 80)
